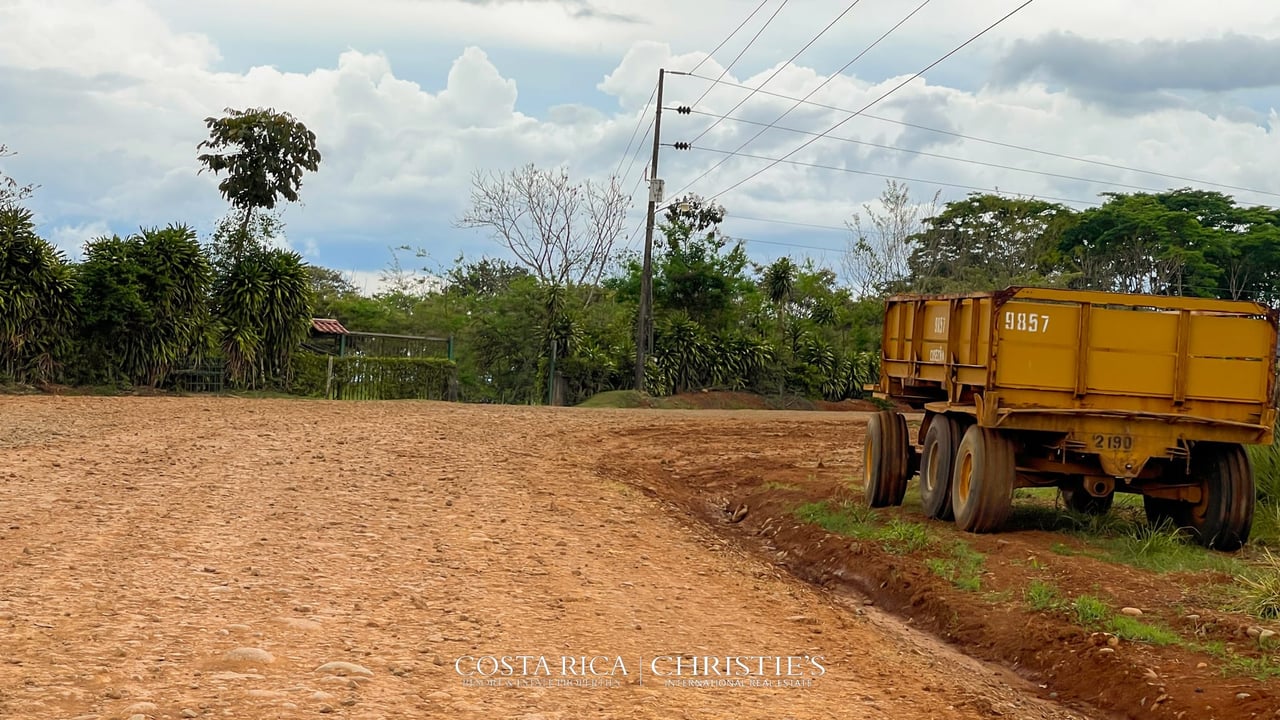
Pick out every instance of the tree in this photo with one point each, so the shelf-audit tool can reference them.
(700, 270)
(561, 231)
(484, 277)
(11, 193)
(988, 242)
(263, 305)
(144, 301)
(264, 153)
(1138, 243)
(878, 258)
(37, 300)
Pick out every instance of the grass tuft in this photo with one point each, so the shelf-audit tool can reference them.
(962, 566)
(1127, 628)
(1260, 587)
(1043, 597)
(1090, 612)
(847, 518)
(901, 537)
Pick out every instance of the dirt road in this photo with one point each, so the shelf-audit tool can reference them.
(182, 558)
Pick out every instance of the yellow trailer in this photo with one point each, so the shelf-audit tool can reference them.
(1091, 392)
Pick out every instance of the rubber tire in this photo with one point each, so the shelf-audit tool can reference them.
(937, 463)
(1081, 501)
(982, 482)
(885, 460)
(1224, 518)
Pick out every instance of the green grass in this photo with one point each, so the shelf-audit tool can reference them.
(1259, 587)
(901, 537)
(962, 566)
(1266, 470)
(847, 518)
(615, 399)
(897, 536)
(1089, 611)
(1043, 597)
(1127, 628)
(1260, 668)
(1063, 549)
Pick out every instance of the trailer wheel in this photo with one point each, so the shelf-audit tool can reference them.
(937, 463)
(1223, 518)
(982, 483)
(885, 459)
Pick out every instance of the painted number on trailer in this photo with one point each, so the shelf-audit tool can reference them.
(1112, 442)
(1026, 322)
(937, 355)
(939, 325)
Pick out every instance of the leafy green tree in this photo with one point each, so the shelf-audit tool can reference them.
(263, 304)
(37, 301)
(1140, 242)
(144, 300)
(483, 278)
(988, 242)
(264, 153)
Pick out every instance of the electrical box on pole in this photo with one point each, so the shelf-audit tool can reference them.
(657, 187)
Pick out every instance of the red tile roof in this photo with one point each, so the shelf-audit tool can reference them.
(328, 326)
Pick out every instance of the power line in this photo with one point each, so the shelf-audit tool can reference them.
(797, 104)
(819, 166)
(639, 120)
(791, 222)
(930, 66)
(730, 36)
(745, 48)
(784, 244)
(998, 143)
(781, 67)
(923, 153)
(636, 156)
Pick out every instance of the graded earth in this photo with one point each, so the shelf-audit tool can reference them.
(218, 557)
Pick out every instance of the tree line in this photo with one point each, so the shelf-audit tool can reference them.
(138, 306)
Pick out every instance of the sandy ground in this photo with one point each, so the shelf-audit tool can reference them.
(182, 558)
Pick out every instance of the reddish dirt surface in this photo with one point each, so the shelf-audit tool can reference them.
(770, 464)
(180, 557)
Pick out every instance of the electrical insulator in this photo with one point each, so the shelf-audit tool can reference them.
(684, 109)
(682, 146)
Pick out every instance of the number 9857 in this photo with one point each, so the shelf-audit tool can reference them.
(1026, 322)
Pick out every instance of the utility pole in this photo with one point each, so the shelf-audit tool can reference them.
(644, 324)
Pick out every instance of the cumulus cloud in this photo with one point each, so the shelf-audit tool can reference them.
(1219, 64)
(109, 128)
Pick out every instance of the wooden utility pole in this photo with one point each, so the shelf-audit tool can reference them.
(644, 323)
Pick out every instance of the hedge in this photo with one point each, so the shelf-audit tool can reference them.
(375, 378)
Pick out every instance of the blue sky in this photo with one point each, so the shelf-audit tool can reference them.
(105, 100)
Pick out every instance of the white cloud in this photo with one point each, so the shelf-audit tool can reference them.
(71, 239)
(105, 102)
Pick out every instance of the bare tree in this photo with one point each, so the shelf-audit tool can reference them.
(879, 256)
(562, 231)
(11, 193)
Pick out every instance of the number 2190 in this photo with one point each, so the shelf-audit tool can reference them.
(1026, 322)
